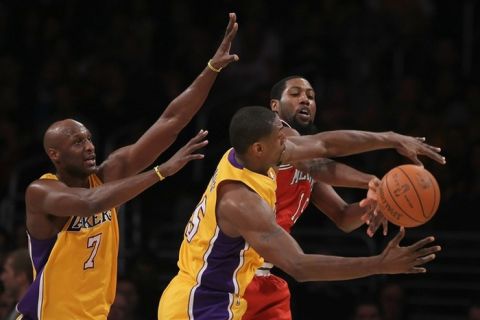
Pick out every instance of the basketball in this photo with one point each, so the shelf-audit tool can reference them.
(408, 195)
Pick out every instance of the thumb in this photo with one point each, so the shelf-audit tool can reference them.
(396, 241)
(416, 160)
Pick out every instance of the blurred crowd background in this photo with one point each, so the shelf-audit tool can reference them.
(411, 66)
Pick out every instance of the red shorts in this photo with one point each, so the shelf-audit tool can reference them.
(268, 298)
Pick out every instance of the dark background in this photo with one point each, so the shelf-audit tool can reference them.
(410, 66)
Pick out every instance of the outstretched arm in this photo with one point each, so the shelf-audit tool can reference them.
(334, 173)
(52, 197)
(347, 142)
(346, 216)
(138, 156)
(241, 212)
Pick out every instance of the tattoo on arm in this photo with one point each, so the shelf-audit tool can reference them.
(267, 237)
(319, 165)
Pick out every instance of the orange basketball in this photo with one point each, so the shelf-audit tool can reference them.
(408, 195)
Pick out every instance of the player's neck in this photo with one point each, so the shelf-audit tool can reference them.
(73, 180)
(251, 165)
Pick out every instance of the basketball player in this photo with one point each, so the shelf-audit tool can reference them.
(293, 99)
(71, 215)
(234, 225)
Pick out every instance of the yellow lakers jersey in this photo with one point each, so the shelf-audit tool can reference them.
(75, 272)
(215, 269)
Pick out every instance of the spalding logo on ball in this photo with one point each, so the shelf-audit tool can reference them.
(408, 195)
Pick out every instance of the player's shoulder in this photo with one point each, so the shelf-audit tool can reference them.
(236, 195)
(290, 132)
(43, 186)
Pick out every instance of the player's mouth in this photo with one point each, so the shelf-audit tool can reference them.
(304, 114)
(90, 161)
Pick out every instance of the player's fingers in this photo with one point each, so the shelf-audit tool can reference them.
(363, 203)
(364, 217)
(435, 156)
(373, 227)
(421, 243)
(229, 36)
(417, 270)
(385, 227)
(428, 251)
(396, 240)
(232, 58)
(232, 17)
(198, 137)
(374, 183)
(194, 147)
(194, 156)
(425, 259)
(415, 160)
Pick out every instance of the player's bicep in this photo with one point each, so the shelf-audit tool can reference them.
(302, 148)
(53, 197)
(245, 214)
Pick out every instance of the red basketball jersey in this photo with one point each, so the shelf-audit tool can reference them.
(293, 194)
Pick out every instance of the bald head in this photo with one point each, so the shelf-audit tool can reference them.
(59, 131)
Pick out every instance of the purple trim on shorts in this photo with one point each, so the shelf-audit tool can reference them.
(40, 251)
(210, 305)
(232, 160)
(211, 298)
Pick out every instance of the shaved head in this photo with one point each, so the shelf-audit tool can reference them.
(58, 131)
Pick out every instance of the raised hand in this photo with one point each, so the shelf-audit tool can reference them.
(185, 154)
(396, 259)
(373, 217)
(222, 57)
(411, 147)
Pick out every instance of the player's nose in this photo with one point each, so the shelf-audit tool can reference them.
(89, 146)
(304, 99)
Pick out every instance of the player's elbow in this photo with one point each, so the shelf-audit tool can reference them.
(344, 226)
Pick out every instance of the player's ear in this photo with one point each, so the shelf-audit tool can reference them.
(52, 154)
(274, 105)
(257, 148)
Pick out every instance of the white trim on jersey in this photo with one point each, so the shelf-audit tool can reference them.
(234, 279)
(40, 297)
(285, 167)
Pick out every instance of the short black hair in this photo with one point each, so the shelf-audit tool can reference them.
(277, 89)
(248, 125)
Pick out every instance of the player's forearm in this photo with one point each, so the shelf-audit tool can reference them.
(338, 174)
(337, 144)
(351, 217)
(347, 217)
(185, 106)
(165, 130)
(114, 194)
(333, 268)
(348, 142)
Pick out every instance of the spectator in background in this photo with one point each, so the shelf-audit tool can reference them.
(366, 309)
(6, 305)
(473, 312)
(16, 277)
(392, 301)
(127, 299)
(118, 310)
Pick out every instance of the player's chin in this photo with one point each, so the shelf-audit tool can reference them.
(90, 168)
